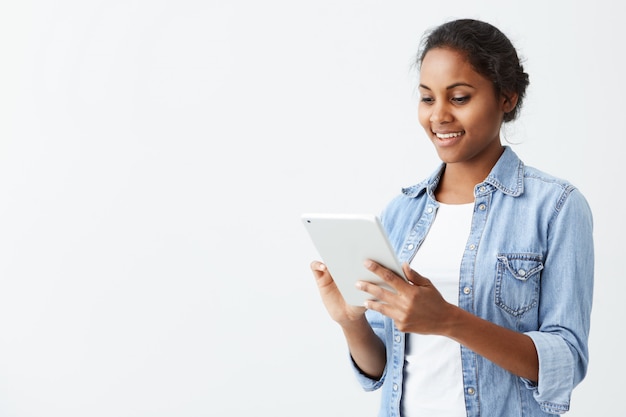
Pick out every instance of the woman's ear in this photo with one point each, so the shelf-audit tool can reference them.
(509, 101)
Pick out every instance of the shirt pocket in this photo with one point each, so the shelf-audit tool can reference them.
(517, 282)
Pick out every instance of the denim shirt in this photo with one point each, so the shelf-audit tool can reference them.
(528, 266)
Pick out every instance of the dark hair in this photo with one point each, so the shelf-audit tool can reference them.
(489, 52)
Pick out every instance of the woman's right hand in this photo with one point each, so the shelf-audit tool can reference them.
(340, 311)
(366, 349)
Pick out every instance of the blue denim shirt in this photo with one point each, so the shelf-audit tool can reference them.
(528, 266)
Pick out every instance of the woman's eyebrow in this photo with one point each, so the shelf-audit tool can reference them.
(460, 84)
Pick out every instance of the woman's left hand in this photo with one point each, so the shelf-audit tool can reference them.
(416, 306)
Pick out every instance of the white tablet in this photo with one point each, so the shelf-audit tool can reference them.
(344, 242)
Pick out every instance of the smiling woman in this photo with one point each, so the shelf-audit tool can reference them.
(155, 157)
(487, 325)
(462, 114)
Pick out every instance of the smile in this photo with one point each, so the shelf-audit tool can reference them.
(449, 135)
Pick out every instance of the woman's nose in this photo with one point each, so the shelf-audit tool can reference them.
(440, 113)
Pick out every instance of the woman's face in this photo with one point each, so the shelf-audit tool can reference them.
(458, 109)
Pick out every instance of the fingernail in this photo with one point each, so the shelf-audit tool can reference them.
(368, 264)
(358, 284)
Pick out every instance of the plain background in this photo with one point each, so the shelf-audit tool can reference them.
(155, 157)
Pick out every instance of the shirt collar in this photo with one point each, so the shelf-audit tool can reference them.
(507, 175)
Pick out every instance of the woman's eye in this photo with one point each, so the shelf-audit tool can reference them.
(427, 100)
(461, 100)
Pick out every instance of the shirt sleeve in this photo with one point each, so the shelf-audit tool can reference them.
(565, 305)
(377, 322)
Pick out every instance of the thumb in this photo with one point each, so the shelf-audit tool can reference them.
(413, 276)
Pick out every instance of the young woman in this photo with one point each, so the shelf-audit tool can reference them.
(495, 321)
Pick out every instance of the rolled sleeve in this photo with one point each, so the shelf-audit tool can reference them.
(556, 373)
(378, 325)
(367, 383)
(561, 340)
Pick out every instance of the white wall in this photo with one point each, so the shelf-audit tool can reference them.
(155, 157)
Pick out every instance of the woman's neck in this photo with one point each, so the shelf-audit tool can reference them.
(455, 189)
(459, 179)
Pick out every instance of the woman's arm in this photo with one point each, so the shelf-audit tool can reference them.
(366, 348)
(507, 348)
(420, 308)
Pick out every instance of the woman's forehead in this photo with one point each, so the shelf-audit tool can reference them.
(445, 65)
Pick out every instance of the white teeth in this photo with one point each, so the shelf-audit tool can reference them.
(448, 135)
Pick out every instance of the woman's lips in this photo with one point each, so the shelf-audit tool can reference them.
(449, 135)
(445, 139)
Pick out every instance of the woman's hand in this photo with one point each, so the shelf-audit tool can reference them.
(416, 306)
(366, 348)
(339, 310)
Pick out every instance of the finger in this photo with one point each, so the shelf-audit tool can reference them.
(377, 292)
(387, 275)
(414, 277)
(323, 278)
(379, 306)
(318, 268)
(407, 272)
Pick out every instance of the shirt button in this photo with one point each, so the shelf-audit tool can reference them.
(472, 246)
(397, 339)
(471, 391)
(410, 246)
(482, 188)
(467, 290)
(522, 272)
(395, 387)
(429, 210)
(482, 207)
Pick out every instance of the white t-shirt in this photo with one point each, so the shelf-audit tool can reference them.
(433, 377)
